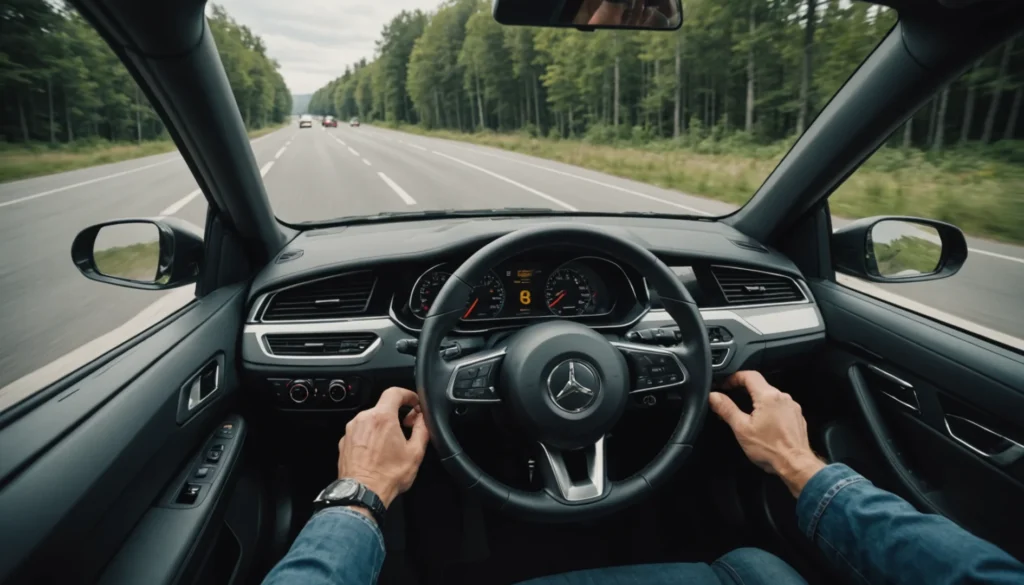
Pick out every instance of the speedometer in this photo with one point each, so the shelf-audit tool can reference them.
(568, 293)
(486, 302)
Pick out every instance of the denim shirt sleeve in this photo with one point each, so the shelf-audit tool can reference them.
(877, 537)
(337, 546)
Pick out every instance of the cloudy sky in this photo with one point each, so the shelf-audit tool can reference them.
(314, 40)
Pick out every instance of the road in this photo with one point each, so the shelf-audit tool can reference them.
(51, 316)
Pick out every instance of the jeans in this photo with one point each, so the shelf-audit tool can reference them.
(869, 535)
(743, 566)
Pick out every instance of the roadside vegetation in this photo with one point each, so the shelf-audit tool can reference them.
(708, 110)
(133, 262)
(22, 161)
(907, 255)
(67, 102)
(979, 190)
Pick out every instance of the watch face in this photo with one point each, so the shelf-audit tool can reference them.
(345, 488)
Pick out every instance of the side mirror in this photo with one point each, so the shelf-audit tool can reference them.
(150, 254)
(591, 14)
(899, 249)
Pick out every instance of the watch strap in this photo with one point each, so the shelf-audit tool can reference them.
(364, 498)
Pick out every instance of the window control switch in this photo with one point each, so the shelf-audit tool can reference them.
(189, 493)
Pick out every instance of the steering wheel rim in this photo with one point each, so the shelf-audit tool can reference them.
(434, 376)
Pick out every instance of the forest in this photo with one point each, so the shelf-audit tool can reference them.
(709, 109)
(760, 68)
(60, 84)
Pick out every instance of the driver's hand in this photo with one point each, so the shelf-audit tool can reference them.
(374, 450)
(774, 435)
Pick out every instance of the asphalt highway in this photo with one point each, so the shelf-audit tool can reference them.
(51, 317)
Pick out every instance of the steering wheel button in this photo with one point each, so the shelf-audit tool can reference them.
(483, 369)
(479, 383)
(466, 374)
(463, 384)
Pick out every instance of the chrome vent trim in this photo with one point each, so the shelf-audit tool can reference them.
(351, 298)
(319, 344)
(747, 287)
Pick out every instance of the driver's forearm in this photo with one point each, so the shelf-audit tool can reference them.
(877, 537)
(338, 546)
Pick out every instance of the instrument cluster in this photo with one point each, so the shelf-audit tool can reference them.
(527, 288)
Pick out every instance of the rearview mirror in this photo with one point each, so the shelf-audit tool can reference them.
(899, 249)
(591, 14)
(151, 254)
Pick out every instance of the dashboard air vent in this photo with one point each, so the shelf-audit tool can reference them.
(337, 297)
(314, 344)
(751, 287)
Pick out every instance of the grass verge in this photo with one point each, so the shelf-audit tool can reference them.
(22, 162)
(975, 189)
(133, 262)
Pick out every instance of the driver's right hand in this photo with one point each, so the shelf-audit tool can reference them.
(774, 435)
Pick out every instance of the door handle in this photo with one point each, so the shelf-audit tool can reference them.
(982, 440)
(899, 390)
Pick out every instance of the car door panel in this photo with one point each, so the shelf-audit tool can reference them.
(907, 376)
(81, 469)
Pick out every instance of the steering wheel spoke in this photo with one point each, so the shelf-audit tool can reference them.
(474, 378)
(652, 368)
(590, 483)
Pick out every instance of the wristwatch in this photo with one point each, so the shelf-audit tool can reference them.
(349, 492)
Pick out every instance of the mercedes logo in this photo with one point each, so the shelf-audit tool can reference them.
(573, 385)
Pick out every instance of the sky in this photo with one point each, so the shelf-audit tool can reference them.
(314, 40)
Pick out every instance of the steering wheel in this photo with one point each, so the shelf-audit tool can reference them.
(565, 384)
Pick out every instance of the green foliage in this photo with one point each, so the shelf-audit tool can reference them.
(907, 256)
(61, 83)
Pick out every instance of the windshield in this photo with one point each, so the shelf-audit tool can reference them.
(458, 112)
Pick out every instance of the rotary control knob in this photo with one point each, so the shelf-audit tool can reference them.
(337, 390)
(299, 391)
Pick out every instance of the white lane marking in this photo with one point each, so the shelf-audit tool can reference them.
(415, 145)
(367, 163)
(937, 314)
(71, 361)
(994, 255)
(341, 142)
(177, 205)
(266, 168)
(280, 152)
(554, 200)
(353, 151)
(103, 178)
(587, 179)
(84, 183)
(398, 190)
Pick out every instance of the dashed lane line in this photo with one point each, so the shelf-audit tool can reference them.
(398, 190)
(554, 200)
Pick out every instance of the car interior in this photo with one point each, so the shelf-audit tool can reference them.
(193, 452)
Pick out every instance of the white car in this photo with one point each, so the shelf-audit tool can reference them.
(305, 121)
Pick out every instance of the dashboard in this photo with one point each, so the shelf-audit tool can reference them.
(335, 318)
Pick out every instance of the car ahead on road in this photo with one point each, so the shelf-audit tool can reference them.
(354, 122)
(330, 122)
(191, 452)
(305, 121)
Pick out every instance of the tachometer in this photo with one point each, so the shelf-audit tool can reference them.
(487, 299)
(568, 293)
